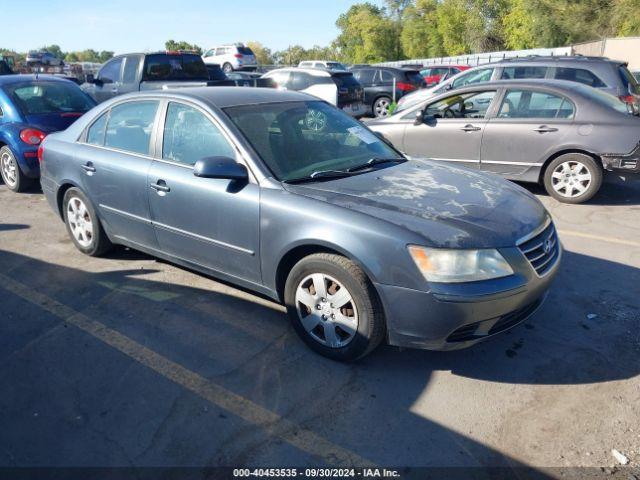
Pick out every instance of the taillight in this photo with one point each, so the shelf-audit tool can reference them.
(628, 99)
(238, 55)
(40, 153)
(405, 87)
(32, 136)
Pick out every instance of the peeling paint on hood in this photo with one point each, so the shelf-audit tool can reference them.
(450, 207)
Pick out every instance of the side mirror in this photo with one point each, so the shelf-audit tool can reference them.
(89, 78)
(220, 167)
(448, 86)
(419, 117)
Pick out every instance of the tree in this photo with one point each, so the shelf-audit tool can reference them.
(182, 45)
(420, 37)
(55, 50)
(452, 16)
(262, 53)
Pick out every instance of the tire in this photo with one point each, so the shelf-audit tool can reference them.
(381, 107)
(573, 178)
(319, 322)
(80, 218)
(227, 68)
(12, 175)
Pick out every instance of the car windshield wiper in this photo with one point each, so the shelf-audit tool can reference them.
(322, 174)
(375, 161)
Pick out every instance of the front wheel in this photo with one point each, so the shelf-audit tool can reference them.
(381, 107)
(83, 224)
(227, 68)
(12, 176)
(573, 178)
(333, 307)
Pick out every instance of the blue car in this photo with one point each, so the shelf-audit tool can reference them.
(30, 108)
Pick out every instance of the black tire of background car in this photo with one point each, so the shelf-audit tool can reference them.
(371, 322)
(100, 243)
(595, 169)
(22, 181)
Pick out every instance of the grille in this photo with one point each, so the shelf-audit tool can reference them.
(543, 250)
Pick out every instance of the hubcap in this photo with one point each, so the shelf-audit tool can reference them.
(571, 179)
(9, 169)
(382, 107)
(80, 222)
(327, 310)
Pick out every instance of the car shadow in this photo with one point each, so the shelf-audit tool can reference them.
(5, 227)
(98, 407)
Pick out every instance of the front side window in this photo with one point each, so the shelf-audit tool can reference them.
(280, 78)
(530, 104)
(523, 72)
(130, 125)
(42, 97)
(468, 105)
(300, 81)
(579, 75)
(475, 76)
(295, 139)
(208, 53)
(110, 73)
(189, 136)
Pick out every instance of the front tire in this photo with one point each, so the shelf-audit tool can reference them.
(573, 178)
(227, 68)
(381, 107)
(83, 225)
(12, 176)
(333, 307)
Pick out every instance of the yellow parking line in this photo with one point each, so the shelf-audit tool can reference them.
(590, 236)
(244, 408)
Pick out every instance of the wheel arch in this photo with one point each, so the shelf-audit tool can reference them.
(565, 151)
(64, 186)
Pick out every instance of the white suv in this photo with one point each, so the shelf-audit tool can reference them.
(329, 65)
(231, 57)
(336, 87)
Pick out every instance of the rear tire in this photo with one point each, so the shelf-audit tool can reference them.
(381, 107)
(227, 68)
(12, 175)
(333, 307)
(83, 225)
(573, 178)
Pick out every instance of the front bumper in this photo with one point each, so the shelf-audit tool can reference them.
(625, 162)
(450, 317)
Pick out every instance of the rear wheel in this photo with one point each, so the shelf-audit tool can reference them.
(12, 176)
(381, 107)
(333, 307)
(83, 224)
(573, 178)
(227, 68)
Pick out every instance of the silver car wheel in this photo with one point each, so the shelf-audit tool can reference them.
(571, 179)
(381, 107)
(9, 169)
(80, 222)
(326, 310)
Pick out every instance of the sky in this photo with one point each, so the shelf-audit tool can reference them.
(139, 25)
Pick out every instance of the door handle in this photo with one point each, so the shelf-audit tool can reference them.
(545, 129)
(89, 168)
(161, 187)
(470, 128)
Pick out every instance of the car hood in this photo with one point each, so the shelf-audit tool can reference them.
(450, 207)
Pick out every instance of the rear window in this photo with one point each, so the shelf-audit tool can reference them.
(345, 80)
(628, 80)
(245, 51)
(414, 77)
(174, 67)
(36, 98)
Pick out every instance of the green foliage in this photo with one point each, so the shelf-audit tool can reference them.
(88, 55)
(182, 45)
(420, 37)
(262, 53)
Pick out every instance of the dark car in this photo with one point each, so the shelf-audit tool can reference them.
(561, 134)
(217, 76)
(361, 244)
(379, 83)
(31, 107)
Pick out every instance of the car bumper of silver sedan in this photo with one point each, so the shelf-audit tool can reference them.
(627, 162)
(454, 316)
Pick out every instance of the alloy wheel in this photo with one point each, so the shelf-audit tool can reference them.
(571, 179)
(326, 310)
(9, 169)
(381, 107)
(80, 222)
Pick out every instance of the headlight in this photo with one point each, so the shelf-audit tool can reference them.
(454, 266)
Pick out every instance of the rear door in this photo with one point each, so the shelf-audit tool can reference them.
(210, 222)
(527, 128)
(452, 128)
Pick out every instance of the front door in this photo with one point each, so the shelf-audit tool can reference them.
(527, 128)
(451, 129)
(109, 80)
(213, 223)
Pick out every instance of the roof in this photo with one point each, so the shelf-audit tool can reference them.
(565, 86)
(223, 97)
(557, 59)
(319, 72)
(9, 79)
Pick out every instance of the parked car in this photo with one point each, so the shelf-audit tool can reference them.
(558, 133)
(378, 84)
(42, 57)
(329, 65)
(5, 69)
(338, 88)
(247, 79)
(31, 107)
(360, 244)
(611, 76)
(217, 77)
(434, 74)
(231, 57)
(134, 72)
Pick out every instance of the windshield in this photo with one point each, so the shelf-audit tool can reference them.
(41, 97)
(296, 139)
(335, 66)
(174, 67)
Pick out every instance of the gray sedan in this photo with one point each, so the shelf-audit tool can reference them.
(361, 244)
(561, 134)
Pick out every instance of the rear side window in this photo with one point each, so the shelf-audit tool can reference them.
(129, 126)
(131, 64)
(523, 72)
(529, 104)
(110, 73)
(364, 76)
(160, 67)
(189, 136)
(385, 77)
(579, 75)
(345, 80)
(628, 80)
(95, 134)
